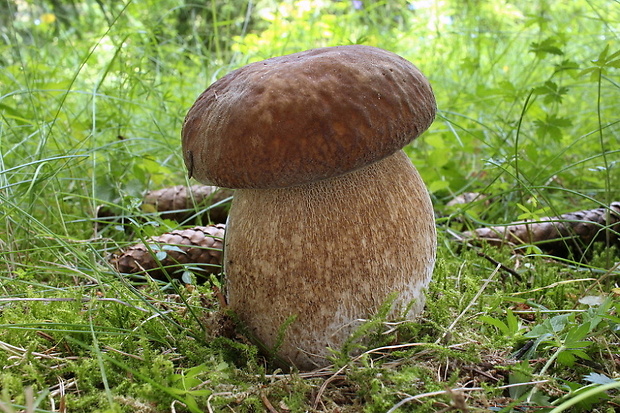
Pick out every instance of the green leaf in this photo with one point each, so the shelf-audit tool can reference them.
(540, 330)
(566, 358)
(614, 63)
(611, 318)
(520, 373)
(552, 126)
(514, 326)
(438, 186)
(551, 92)
(602, 56)
(597, 378)
(558, 323)
(499, 324)
(191, 403)
(581, 354)
(576, 335)
(566, 65)
(188, 277)
(161, 255)
(602, 62)
(168, 247)
(547, 46)
(592, 71)
(607, 61)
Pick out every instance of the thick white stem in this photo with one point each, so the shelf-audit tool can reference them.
(329, 253)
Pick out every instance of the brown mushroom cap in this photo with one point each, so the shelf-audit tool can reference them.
(305, 117)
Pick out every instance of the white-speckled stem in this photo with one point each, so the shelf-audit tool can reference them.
(330, 253)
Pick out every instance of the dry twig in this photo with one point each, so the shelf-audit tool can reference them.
(557, 235)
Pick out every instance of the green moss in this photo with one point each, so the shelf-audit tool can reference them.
(524, 118)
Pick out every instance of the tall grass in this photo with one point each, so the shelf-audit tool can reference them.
(517, 110)
(92, 97)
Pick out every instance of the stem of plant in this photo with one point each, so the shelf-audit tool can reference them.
(605, 161)
(585, 395)
(544, 370)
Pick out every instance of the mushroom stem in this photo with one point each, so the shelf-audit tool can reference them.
(330, 253)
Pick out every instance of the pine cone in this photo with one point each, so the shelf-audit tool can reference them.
(557, 235)
(179, 202)
(200, 247)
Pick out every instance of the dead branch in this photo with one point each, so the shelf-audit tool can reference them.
(570, 232)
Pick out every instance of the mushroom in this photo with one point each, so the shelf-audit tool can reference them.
(329, 218)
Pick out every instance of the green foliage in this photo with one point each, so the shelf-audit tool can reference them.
(511, 328)
(567, 333)
(92, 99)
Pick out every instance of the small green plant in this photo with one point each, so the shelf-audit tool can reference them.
(188, 385)
(568, 335)
(568, 338)
(511, 328)
(564, 336)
